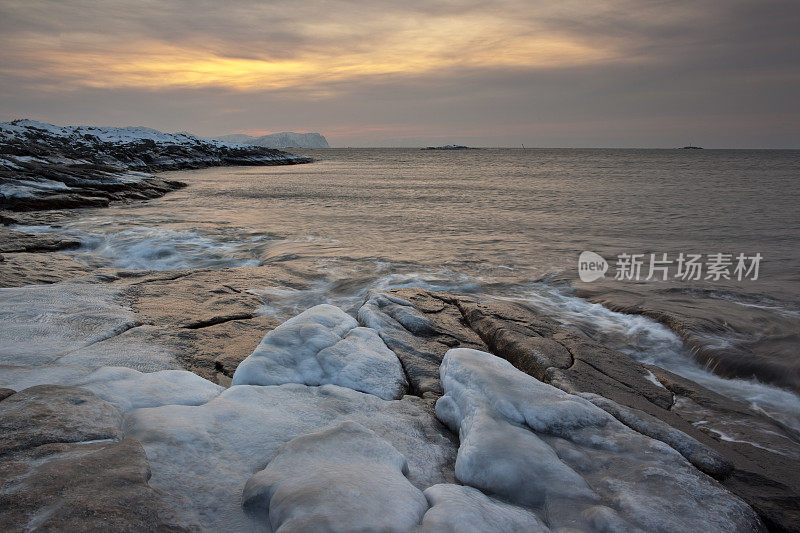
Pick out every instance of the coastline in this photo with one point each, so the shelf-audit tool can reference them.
(157, 352)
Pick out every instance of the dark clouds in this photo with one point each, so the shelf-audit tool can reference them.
(382, 73)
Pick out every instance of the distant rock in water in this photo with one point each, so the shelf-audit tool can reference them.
(285, 139)
(43, 166)
(448, 147)
(692, 147)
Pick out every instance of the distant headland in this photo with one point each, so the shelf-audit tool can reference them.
(285, 139)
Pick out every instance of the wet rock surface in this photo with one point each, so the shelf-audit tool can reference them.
(48, 414)
(64, 465)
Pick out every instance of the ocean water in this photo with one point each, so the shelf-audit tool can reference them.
(507, 223)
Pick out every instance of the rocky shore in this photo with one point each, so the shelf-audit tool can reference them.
(138, 400)
(43, 166)
(183, 409)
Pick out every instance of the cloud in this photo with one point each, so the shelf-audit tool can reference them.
(494, 72)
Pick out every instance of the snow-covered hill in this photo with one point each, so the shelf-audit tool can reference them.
(44, 166)
(286, 139)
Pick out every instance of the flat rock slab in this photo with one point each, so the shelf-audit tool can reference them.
(99, 486)
(324, 345)
(12, 241)
(53, 413)
(343, 479)
(19, 269)
(557, 453)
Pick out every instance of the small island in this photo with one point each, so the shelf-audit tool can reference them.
(448, 147)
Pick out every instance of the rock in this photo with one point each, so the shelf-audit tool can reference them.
(761, 451)
(5, 393)
(768, 354)
(543, 349)
(542, 448)
(697, 453)
(51, 414)
(324, 345)
(21, 269)
(419, 328)
(50, 167)
(463, 509)
(12, 241)
(88, 487)
(202, 456)
(344, 478)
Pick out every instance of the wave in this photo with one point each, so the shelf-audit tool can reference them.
(158, 248)
(651, 342)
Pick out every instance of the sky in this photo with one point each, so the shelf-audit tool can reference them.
(614, 73)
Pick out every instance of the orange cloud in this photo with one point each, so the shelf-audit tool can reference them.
(398, 47)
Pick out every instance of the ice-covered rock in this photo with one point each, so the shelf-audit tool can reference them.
(126, 387)
(545, 449)
(343, 478)
(463, 509)
(79, 323)
(419, 328)
(324, 345)
(694, 451)
(202, 456)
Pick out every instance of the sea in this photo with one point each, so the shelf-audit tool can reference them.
(511, 224)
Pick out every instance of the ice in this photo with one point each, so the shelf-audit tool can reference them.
(345, 478)
(462, 509)
(542, 448)
(124, 386)
(324, 345)
(201, 457)
(39, 324)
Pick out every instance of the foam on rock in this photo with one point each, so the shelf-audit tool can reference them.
(343, 478)
(548, 450)
(324, 345)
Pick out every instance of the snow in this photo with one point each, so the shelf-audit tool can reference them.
(344, 478)
(539, 447)
(124, 135)
(458, 508)
(324, 345)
